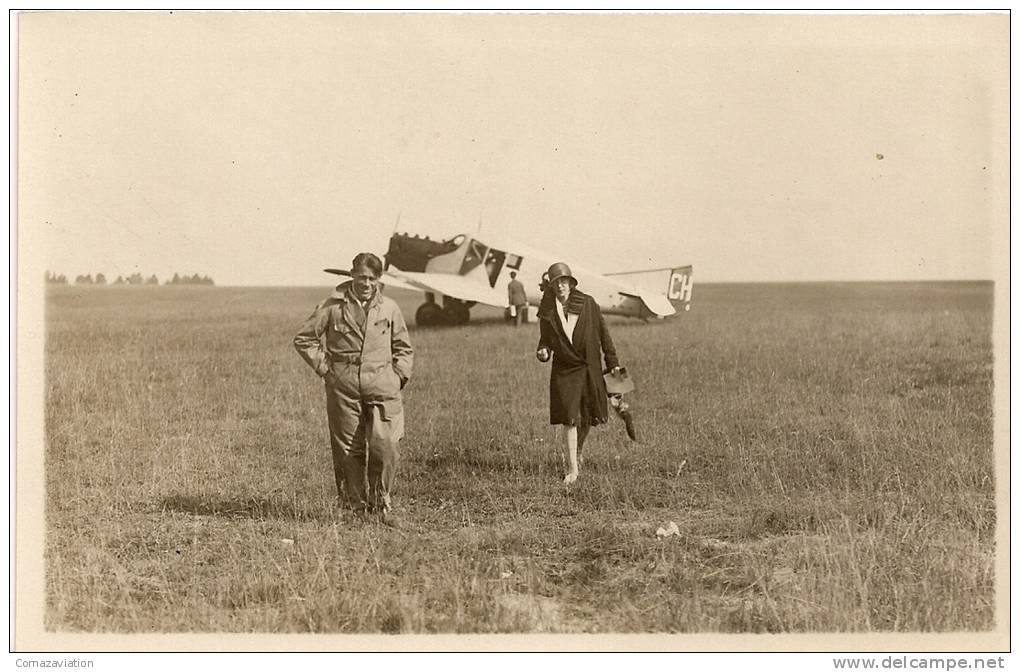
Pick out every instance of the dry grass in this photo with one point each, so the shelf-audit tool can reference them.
(838, 471)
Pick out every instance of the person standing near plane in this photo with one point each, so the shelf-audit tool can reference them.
(517, 297)
(574, 334)
(356, 341)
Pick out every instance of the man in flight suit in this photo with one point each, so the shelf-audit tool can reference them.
(356, 341)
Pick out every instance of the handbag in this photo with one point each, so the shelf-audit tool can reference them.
(619, 382)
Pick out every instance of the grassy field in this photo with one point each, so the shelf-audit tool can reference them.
(825, 450)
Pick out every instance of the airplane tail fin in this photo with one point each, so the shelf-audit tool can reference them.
(681, 287)
(664, 291)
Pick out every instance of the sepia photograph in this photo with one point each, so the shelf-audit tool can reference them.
(572, 330)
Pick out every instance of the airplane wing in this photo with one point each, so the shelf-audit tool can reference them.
(389, 280)
(655, 303)
(457, 286)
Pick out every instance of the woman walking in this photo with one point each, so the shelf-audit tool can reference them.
(574, 334)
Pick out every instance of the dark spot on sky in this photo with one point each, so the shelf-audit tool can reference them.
(879, 156)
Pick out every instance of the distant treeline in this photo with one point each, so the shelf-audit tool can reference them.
(133, 279)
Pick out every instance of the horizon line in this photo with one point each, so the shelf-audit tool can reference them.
(702, 283)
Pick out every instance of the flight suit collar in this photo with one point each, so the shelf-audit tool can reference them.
(353, 311)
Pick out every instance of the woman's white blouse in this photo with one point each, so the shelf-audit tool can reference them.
(568, 320)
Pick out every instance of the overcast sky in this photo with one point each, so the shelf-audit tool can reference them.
(259, 148)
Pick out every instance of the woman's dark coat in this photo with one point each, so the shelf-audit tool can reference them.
(577, 391)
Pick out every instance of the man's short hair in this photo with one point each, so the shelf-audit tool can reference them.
(513, 274)
(369, 261)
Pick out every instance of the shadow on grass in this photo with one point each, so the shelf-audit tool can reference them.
(257, 508)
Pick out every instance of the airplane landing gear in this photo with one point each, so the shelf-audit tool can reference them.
(429, 315)
(452, 313)
(456, 312)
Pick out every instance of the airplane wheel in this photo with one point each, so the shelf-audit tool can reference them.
(457, 314)
(429, 315)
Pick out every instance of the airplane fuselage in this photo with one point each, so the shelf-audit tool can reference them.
(484, 265)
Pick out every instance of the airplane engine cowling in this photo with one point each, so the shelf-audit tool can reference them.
(412, 253)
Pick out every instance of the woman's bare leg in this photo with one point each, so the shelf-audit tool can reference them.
(570, 451)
